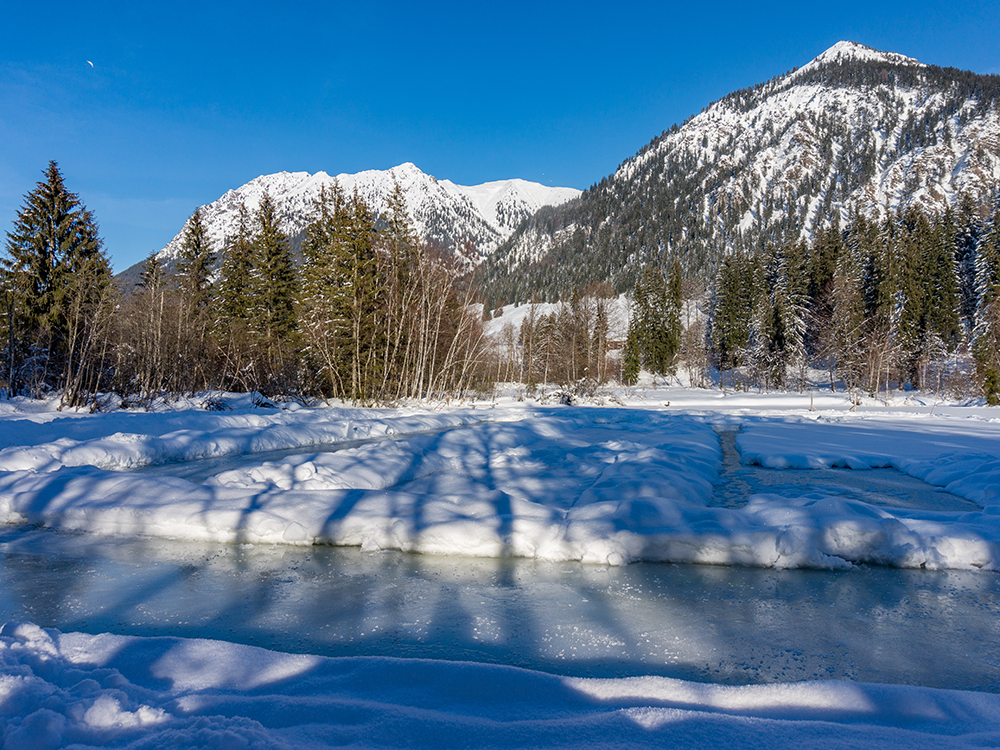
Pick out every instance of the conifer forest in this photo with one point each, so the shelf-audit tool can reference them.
(370, 314)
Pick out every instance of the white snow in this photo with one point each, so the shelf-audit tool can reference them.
(71, 689)
(599, 484)
(485, 214)
(595, 484)
(770, 140)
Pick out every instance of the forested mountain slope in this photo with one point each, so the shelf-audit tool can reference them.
(854, 130)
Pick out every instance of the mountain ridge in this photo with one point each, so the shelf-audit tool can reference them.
(442, 211)
(853, 129)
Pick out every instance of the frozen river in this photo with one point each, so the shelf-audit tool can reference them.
(721, 624)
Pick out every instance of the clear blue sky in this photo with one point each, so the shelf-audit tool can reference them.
(187, 100)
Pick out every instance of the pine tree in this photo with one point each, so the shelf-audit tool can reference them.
(194, 266)
(232, 302)
(193, 270)
(986, 334)
(232, 307)
(322, 297)
(734, 299)
(655, 325)
(630, 357)
(151, 276)
(848, 314)
(399, 259)
(58, 282)
(273, 287)
(779, 320)
(358, 264)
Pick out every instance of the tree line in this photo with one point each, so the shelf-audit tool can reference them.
(371, 314)
(874, 303)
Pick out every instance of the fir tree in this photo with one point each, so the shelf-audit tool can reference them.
(194, 266)
(273, 285)
(986, 334)
(655, 325)
(232, 306)
(322, 297)
(57, 278)
(735, 298)
(193, 269)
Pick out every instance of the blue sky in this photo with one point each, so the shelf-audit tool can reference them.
(187, 100)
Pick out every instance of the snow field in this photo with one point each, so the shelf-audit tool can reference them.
(127, 692)
(598, 485)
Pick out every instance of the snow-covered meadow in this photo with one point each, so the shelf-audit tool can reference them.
(629, 480)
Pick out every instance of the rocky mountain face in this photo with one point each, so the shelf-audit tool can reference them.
(853, 130)
(442, 212)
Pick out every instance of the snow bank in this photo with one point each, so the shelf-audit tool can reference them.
(127, 692)
(600, 485)
(960, 455)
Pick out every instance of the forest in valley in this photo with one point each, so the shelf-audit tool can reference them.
(369, 313)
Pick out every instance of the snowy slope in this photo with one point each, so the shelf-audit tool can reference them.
(441, 211)
(854, 129)
(814, 128)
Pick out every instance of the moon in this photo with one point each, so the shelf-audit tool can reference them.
(90, 63)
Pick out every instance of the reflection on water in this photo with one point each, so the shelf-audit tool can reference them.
(884, 487)
(729, 625)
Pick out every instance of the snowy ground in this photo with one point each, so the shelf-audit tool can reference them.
(606, 485)
(78, 690)
(601, 484)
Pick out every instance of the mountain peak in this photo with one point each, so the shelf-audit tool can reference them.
(441, 211)
(845, 51)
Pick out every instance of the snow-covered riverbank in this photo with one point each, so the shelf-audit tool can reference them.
(606, 485)
(601, 484)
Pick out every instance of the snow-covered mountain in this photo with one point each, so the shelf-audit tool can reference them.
(854, 129)
(441, 211)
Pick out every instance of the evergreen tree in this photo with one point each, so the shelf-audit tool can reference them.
(655, 325)
(322, 299)
(848, 314)
(151, 276)
(273, 286)
(734, 300)
(58, 282)
(232, 302)
(194, 266)
(193, 270)
(232, 307)
(986, 334)
(779, 319)
(399, 261)
(969, 231)
(359, 268)
(630, 357)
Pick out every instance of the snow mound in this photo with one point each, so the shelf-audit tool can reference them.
(598, 485)
(86, 691)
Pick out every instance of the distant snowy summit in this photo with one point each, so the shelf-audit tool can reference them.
(441, 211)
